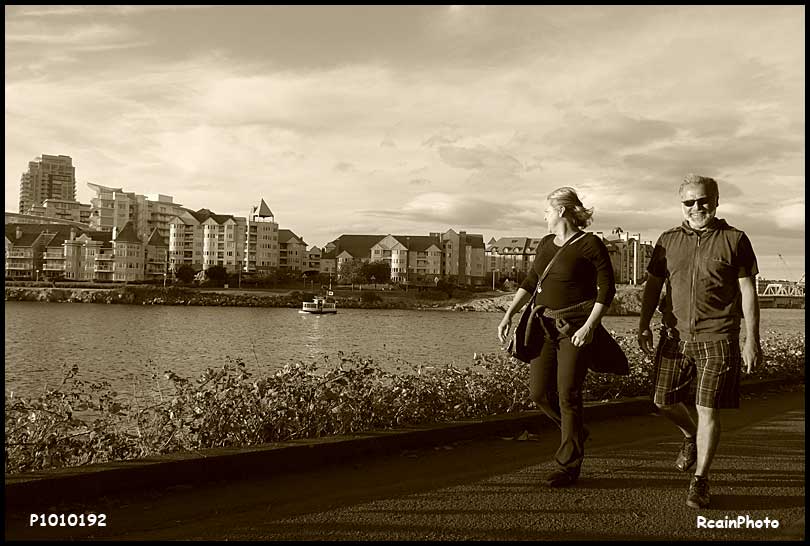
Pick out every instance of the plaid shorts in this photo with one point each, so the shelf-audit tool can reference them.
(715, 365)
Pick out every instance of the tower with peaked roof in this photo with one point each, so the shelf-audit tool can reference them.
(261, 241)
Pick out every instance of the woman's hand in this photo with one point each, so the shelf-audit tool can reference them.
(583, 336)
(503, 327)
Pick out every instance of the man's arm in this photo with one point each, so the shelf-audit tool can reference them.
(752, 350)
(649, 301)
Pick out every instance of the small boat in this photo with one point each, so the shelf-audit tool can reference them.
(320, 305)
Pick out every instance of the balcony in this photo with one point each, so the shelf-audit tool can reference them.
(53, 267)
(19, 267)
(53, 256)
(17, 254)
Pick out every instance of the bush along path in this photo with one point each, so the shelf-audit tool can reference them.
(81, 422)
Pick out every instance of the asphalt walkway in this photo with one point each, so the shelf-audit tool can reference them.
(488, 489)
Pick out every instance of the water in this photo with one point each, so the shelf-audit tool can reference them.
(117, 342)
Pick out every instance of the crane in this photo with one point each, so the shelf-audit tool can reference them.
(787, 266)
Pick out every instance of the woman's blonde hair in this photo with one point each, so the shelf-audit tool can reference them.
(567, 197)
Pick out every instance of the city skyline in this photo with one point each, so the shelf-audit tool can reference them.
(422, 118)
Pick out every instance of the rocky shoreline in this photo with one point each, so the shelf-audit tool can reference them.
(627, 301)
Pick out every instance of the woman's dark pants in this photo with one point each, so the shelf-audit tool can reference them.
(555, 383)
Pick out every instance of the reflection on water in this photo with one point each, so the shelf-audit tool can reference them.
(121, 343)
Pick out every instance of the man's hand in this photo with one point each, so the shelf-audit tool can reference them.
(645, 341)
(751, 354)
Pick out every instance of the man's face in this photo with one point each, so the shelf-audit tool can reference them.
(698, 206)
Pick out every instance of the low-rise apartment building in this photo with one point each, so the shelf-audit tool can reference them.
(417, 259)
(37, 252)
(512, 257)
(292, 253)
(203, 239)
(63, 209)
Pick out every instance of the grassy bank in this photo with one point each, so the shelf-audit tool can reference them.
(230, 406)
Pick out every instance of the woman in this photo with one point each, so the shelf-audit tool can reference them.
(581, 277)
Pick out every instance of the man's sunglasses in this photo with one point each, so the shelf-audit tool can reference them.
(702, 201)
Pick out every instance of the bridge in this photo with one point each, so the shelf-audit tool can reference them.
(781, 294)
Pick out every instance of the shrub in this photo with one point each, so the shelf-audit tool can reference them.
(84, 422)
(367, 296)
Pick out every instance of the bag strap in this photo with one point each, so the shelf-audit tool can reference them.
(548, 267)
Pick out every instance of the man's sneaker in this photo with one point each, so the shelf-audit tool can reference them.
(688, 454)
(562, 478)
(698, 496)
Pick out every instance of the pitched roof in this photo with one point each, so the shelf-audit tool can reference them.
(523, 244)
(54, 233)
(329, 255)
(475, 240)
(358, 246)
(204, 214)
(156, 240)
(417, 243)
(285, 235)
(261, 210)
(127, 234)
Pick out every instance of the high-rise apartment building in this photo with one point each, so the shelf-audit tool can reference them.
(48, 177)
(114, 207)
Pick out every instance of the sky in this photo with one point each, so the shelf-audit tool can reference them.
(417, 119)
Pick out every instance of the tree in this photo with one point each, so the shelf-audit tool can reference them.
(617, 230)
(185, 273)
(352, 271)
(216, 275)
(379, 271)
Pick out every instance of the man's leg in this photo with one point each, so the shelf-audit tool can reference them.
(708, 436)
(718, 379)
(681, 416)
(674, 373)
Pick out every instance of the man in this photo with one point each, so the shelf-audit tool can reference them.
(709, 269)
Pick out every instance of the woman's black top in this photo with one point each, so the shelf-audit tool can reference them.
(581, 272)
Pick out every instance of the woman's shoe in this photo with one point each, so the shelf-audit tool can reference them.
(562, 478)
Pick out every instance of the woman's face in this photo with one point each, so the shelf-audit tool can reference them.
(551, 215)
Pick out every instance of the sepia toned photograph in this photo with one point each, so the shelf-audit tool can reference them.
(404, 273)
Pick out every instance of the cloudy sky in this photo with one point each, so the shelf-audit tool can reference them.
(412, 119)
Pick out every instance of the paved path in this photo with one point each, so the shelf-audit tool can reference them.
(488, 490)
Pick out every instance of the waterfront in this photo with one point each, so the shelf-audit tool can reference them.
(117, 342)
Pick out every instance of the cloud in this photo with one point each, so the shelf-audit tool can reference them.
(479, 158)
(92, 37)
(714, 157)
(445, 208)
(64, 11)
